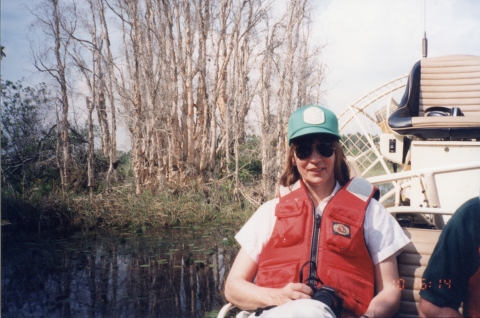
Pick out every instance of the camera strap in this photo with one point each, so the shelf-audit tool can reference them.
(312, 274)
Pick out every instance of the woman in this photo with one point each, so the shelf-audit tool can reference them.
(323, 230)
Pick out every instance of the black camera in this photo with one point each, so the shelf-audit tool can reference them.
(329, 297)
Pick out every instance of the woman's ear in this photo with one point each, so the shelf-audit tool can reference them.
(294, 163)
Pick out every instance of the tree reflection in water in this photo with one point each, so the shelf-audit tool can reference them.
(177, 272)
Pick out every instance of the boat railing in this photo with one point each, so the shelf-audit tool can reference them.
(423, 172)
(432, 212)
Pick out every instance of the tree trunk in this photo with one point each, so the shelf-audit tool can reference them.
(91, 149)
(110, 93)
(203, 109)
(62, 81)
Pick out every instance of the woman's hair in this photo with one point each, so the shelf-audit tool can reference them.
(290, 173)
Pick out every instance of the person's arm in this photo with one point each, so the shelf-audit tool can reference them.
(240, 291)
(427, 309)
(452, 260)
(387, 300)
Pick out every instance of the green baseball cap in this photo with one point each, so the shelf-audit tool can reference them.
(312, 119)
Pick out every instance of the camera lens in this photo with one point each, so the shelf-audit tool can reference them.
(325, 298)
(329, 297)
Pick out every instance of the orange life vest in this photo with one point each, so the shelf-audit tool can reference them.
(338, 250)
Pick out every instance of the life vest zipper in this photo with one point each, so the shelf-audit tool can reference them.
(314, 249)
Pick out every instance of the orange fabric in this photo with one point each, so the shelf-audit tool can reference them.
(343, 261)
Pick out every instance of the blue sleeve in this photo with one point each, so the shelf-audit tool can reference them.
(454, 259)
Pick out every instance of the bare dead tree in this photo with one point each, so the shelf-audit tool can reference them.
(108, 59)
(170, 74)
(53, 60)
(188, 74)
(243, 88)
(94, 77)
(91, 149)
(129, 13)
(265, 96)
(294, 16)
(204, 112)
(291, 77)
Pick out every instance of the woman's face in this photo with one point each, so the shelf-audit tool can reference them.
(317, 170)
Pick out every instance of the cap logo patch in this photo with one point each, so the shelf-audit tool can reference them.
(313, 116)
(341, 229)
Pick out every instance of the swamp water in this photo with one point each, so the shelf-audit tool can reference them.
(175, 272)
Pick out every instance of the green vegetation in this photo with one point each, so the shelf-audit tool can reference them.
(249, 160)
(192, 204)
(32, 195)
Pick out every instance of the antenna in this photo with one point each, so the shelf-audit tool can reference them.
(424, 45)
(424, 41)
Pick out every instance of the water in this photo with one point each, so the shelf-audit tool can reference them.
(177, 272)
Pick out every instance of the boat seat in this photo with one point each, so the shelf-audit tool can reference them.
(411, 265)
(448, 81)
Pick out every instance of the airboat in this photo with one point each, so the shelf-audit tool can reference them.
(423, 152)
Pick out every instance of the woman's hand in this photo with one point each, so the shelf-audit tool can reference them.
(291, 291)
(240, 291)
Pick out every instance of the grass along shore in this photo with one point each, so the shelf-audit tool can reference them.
(120, 207)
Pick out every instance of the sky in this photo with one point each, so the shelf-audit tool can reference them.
(371, 42)
(368, 42)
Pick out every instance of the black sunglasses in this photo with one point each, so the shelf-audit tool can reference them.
(324, 149)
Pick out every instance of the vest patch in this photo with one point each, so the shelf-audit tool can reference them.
(341, 229)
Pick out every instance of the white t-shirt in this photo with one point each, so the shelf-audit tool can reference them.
(383, 234)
